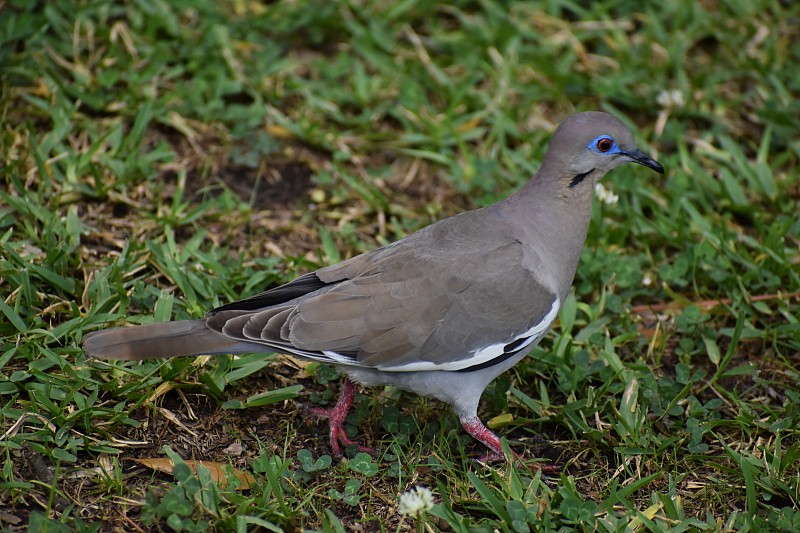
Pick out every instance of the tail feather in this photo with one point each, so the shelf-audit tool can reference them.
(163, 340)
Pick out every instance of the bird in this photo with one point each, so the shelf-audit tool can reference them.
(439, 313)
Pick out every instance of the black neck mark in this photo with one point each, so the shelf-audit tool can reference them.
(579, 178)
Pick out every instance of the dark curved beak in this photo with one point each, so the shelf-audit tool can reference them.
(637, 156)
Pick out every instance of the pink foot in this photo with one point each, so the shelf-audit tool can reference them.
(484, 435)
(336, 416)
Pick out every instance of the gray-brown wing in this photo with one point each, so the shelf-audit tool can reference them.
(452, 296)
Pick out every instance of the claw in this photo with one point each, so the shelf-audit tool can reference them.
(336, 416)
(484, 435)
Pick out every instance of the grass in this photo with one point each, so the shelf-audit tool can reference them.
(162, 158)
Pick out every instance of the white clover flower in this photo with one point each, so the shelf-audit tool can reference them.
(416, 502)
(647, 280)
(670, 99)
(605, 196)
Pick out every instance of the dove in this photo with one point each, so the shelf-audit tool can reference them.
(439, 313)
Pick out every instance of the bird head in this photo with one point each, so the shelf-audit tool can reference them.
(594, 143)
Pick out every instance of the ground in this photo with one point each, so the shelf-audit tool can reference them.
(160, 159)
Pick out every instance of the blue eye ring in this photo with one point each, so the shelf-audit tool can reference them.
(604, 144)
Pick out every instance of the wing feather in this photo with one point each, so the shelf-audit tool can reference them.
(442, 298)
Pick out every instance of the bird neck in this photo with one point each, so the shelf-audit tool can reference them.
(554, 211)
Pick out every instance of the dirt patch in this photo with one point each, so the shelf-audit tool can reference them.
(282, 182)
(277, 183)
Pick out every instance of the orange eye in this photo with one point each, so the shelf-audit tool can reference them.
(605, 144)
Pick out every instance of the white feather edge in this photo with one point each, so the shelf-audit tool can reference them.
(476, 358)
(484, 354)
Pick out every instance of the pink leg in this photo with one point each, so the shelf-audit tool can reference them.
(484, 435)
(336, 416)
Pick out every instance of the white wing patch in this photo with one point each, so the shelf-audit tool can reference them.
(337, 357)
(484, 354)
